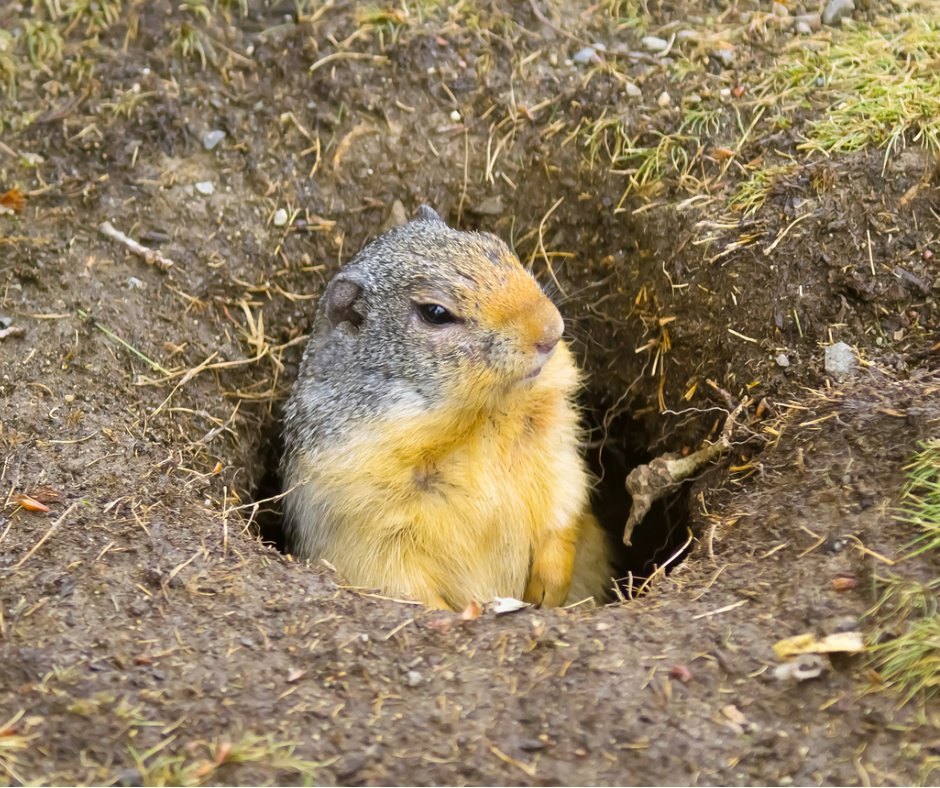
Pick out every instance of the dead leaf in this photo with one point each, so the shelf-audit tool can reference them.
(507, 604)
(843, 583)
(844, 642)
(472, 611)
(30, 504)
(13, 200)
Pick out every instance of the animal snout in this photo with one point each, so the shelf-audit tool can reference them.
(550, 328)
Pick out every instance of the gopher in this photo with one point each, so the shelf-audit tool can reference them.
(432, 439)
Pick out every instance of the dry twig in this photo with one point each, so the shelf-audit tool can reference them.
(150, 256)
(650, 482)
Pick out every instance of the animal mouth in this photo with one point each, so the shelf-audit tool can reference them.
(534, 373)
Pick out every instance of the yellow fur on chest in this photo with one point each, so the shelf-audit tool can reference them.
(449, 510)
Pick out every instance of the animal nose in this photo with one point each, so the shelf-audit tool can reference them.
(551, 328)
(547, 345)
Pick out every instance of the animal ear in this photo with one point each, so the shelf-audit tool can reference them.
(427, 214)
(339, 304)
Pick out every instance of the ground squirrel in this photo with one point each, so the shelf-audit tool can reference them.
(431, 439)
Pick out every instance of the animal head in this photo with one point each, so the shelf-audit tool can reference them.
(447, 315)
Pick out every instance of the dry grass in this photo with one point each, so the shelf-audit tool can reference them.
(13, 741)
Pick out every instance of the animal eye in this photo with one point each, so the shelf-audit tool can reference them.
(435, 314)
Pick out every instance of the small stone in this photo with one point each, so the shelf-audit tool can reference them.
(587, 55)
(280, 217)
(205, 188)
(803, 668)
(840, 360)
(490, 206)
(135, 284)
(779, 9)
(414, 678)
(632, 90)
(5, 321)
(397, 216)
(129, 777)
(455, 116)
(664, 99)
(812, 21)
(654, 43)
(724, 54)
(837, 10)
(212, 138)
(803, 29)
(782, 360)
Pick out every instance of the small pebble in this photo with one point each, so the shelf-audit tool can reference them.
(782, 360)
(280, 217)
(664, 99)
(805, 667)
(455, 116)
(779, 9)
(654, 43)
(803, 29)
(5, 321)
(397, 216)
(205, 187)
(587, 55)
(212, 138)
(840, 360)
(812, 21)
(724, 54)
(414, 678)
(134, 283)
(837, 10)
(632, 90)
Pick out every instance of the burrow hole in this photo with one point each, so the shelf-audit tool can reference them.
(615, 446)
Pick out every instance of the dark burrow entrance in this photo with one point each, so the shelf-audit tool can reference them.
(615, 446)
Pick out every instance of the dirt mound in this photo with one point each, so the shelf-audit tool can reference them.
(701, 252)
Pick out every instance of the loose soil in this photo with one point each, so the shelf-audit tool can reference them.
(147, 633)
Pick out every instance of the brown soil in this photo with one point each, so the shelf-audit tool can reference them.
(144, 612)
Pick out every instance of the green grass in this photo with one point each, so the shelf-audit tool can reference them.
(12, 742)
(875, 86)
(199, 763)
(750, 195)
(906, 637)
(920, 500)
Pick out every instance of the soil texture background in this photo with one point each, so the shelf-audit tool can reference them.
(671, 172)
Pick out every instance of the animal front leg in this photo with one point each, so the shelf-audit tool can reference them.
(552, 566)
